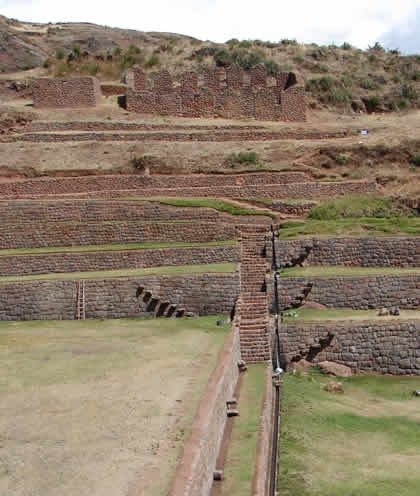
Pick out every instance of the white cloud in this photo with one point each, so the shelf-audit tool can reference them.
(360, 22)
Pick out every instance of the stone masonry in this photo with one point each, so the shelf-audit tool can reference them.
(230, 93)
(62, 93)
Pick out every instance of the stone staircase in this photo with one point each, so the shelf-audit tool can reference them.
(253, 302)
(157, 308)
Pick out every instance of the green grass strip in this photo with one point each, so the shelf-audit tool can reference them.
(365, 226)
(344, 271)
(216, 204)
(109, 247)
(348, 314)
(179, 269)
(242, 451)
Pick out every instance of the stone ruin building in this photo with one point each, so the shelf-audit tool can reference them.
(227, 92)
(70, 92)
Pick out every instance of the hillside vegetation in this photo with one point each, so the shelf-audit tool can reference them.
(337, 76)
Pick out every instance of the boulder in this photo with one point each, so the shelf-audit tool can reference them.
(332, 368)
(333, 387)
(302, 365)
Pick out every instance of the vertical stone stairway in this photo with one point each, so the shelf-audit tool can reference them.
(253, 301)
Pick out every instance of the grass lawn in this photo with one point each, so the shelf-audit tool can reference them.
(242, 450)
(100, 407)
(365, 226)
(220, 205)
(364, 442)
(171, 270)
(349, 314)
(113, 247)
(345, 271)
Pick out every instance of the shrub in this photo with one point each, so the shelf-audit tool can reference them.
(222, 57)
(372, 58)
(341, 159)
(140, 163)
(402, 103)
(93, 69)
(408, 91)
(336, 96)
(47, 63)
(133, 50)
(346, 46)
(319, 68)
(152, 61)
(59, 54)
(415, 159)
(372, 103)
(298, 59)
(368, 84)
(377, 47)
(76, 51)
(347, 81)
(61, 69)
(241, 158)
(286, 41)
(116, 52)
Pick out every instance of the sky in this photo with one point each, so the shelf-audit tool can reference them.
(395, 24)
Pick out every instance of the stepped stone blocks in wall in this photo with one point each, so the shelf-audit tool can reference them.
(117, 298)
(62, 93)
(358, 293)
(361, 252)
(385, 348)
(229, 93)
(252, 307)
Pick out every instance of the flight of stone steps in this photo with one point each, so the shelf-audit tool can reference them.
(253, 302)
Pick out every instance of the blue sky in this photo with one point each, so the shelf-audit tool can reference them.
(362, 23)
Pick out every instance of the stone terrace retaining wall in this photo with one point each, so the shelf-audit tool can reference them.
(361, 252)
(73, 92)
(261, 478)
(87, 184)
(18, 212)
(295, 190)
(385, 348)
(60, 234)
(115, 298)
(209, 136)
(194, 474)
(358, 293)
(13, 265)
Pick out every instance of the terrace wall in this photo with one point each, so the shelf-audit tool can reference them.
(115, 298)
(60, 93)
(86, 184)
(384, 348)
(194, 474)
(230, 93)
(78, 234)
(12, 265)
(361, 252)
(358, 293)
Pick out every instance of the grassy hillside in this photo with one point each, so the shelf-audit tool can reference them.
(339, 77)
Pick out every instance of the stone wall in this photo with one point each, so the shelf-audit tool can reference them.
(78, 234)
(262, 469)
(384, 348)
(159, 182)
(61, 93)
(194, 475)
(12, 265)
(291, 208)
(358, 293)
(361, 252)
(229, 93)
(115, 298)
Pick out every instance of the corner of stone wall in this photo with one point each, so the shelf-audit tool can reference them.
(194, 475)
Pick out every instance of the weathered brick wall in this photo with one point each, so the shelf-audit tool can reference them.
(229, 93)
(114, 298)
(12, 265)
(358, 293)
(73, 92)
(127, 182)
(361, 252)
(384, 348)
(194, 475)
(76, 234)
